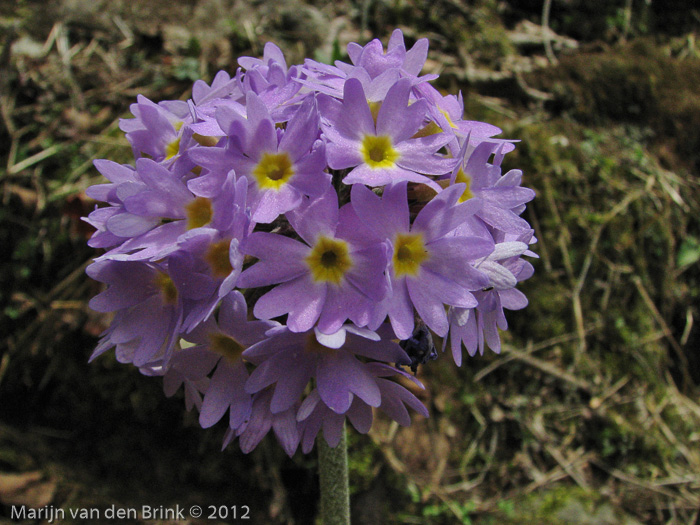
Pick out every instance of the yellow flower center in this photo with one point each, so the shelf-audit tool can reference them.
(218, 259)
(449, 120)
(199, 213)
(226, 346)
(167, 288)
(329, 260)
(273, 171)
(463, 177)
(173, 148)
(409, 254)
(378, 152)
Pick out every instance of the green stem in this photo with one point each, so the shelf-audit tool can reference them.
(333, 472)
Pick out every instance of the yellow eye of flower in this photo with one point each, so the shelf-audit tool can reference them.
(409, 254)
(218, 259)
(172, 149)
(226, 346)
(378, 152)
(199, 213)
(329, 260)
(273, 170)
(167, 288)
(463, 177)
(449, 120)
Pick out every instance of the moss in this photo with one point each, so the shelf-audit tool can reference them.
(636, 83)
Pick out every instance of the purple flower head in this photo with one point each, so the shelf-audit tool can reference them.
(381, 151)
(429, 267)
(148, 310)
(234, 217)
(328, 278)
(289, 360)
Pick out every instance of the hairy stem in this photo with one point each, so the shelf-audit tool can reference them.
(333, 473)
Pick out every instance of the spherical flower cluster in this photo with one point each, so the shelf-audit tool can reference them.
(291, 237)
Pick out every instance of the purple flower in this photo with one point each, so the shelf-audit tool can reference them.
(384, 151)
(502, 198)
(329, 279)
(155, 130)
(148, 310)
(222, 87)
(272, 80)
(314, 414)
(281, 166)
(208, 260)
(220, 346)
(189, 368)
(262, 419)
(118, 175)
(374, 60)
(475, 326)
(161, 208)
(288, 360)
(447, 116)
(429, 267)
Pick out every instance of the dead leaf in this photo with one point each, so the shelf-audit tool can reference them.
(27, 488)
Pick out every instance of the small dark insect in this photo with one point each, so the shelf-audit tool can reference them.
(419, 347)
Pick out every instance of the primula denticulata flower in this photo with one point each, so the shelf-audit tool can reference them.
(292, 237)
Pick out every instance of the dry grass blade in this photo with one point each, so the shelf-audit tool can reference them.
(34, 159)
(680, 354)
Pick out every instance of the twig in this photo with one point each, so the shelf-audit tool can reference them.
(536, 428)
(627, 20)
(630, 479)
(509, 355)
(687, 380)
(552, 370)
(546, 8)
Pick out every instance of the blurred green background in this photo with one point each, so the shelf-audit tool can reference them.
(589, 415)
